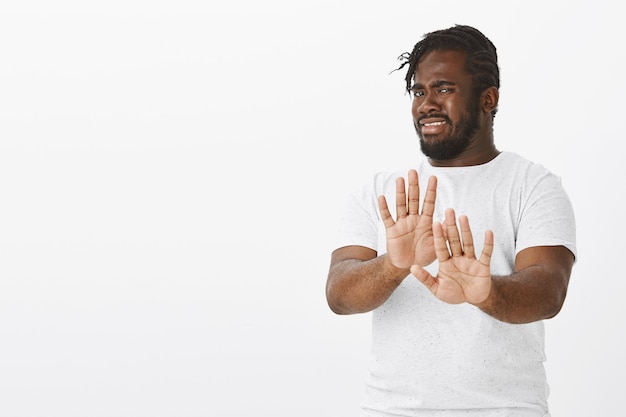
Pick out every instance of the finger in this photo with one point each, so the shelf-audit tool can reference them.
(428, 207)
(441, 247)
(454, 239)
(385, 215)
(400, 198)
(445, 234)
(414, 192)
(466, 236)
(425, 278)
(485, 256)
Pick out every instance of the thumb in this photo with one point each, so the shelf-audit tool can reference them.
(424, 276)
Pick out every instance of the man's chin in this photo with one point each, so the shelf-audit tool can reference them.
(426, 140)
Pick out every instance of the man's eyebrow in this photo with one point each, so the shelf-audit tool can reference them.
(438, 83)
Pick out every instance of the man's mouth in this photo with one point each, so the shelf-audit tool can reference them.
(432, 126)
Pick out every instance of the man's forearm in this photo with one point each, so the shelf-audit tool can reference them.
(356, 286)
(526, 296)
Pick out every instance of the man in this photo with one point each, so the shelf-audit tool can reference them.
(456, 311)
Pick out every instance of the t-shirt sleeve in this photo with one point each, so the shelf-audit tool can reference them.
(357, 223)
(547, 217)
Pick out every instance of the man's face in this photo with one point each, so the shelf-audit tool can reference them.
(446, 114)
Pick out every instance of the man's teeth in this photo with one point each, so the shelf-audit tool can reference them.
(434, 123)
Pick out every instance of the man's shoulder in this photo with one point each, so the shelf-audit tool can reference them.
(514, 158)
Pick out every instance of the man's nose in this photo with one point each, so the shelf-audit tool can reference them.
(428, 104)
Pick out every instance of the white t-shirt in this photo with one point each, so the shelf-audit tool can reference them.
(430, 358)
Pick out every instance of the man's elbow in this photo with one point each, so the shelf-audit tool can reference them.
(557, 304)
(334, 302)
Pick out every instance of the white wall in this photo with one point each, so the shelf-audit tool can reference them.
(169, 172)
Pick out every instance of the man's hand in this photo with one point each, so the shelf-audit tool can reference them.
(461, 277)
(410, 236)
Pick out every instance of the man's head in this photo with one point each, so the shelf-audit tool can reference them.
(481, 62)
(454, 77)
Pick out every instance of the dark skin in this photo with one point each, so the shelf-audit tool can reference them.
(360, 280)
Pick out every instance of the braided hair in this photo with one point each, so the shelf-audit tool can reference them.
(481, 62)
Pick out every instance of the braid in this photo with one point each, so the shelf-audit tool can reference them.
(482, 58)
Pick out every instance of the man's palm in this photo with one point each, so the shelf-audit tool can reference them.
(410, 236)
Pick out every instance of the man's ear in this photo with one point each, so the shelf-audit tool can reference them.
(490, 99)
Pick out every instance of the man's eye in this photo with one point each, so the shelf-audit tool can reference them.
(418, 93)
(444, 90)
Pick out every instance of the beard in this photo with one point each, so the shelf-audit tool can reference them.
(455, 143)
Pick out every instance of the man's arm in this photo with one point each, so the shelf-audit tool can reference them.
(537, 288)
(535, 291)
(359, 281)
